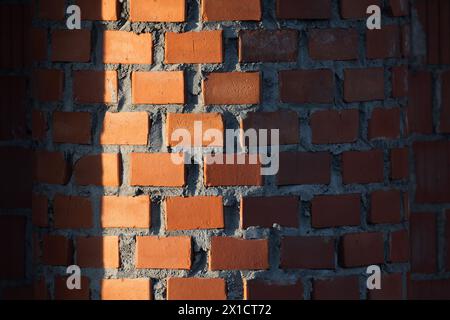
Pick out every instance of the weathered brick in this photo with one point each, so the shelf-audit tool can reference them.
(307, 253)
(332, 126)
(333, 44)
(335, 210)
(231, 10)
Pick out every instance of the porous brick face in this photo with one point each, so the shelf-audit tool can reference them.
(90, 166)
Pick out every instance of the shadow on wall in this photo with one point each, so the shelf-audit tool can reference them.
(54, 155)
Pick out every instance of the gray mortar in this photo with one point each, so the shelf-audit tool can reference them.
(232, 114)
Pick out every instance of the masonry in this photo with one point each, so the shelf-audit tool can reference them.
(86, 175)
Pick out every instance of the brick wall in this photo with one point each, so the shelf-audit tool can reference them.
(364, 164)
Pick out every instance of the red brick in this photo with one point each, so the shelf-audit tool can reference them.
(383, 43)
(341, 288)
(143, 173)
(307, 253)
(385, 123)
(125, 128)
(95, 86)
(447, 237)
(228, 253)
(52, 9)
(13, 247)
(391, 288)
(432, 32)
(39, 125)
(267, 211)
(304, 168)
(51, 167)
(432, 162)
(163, 253)
(399, 8)
(37, 50)
(423, 241)
(72, 212)
(303, 9)
(157, 10)
(307, 86)
(445, 103)
(40, 210)
(13, 123)
(362, 166)
(268, 45)
(420, 104)
(56, 250)
(126, 289)
(429, 290)
(444, 30)
(137, 51)
(166, 87)
(48, 85)
(194, 213)
(356, 9)
(399, 246)
(399, 81)
(36, 291)
(363, 84)
(286, 122)
(196, 289)
(72, 127)
(63, 293)
(194, 47)
(98, 252)
(187, 121)
(16, 172)
(125, 212)
(71, 46)
(268, 290)
(361, 249)
(232, 88)
(332, 126)
(399, 163)
(385, 207)
(231, 10)
(333, 44)
(335, 211)
(99, 9)
(100, 170)
(223, 174)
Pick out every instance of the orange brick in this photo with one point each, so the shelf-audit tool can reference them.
(196, 289)
(95, 86)
(216, 174)
(56, 250)
(51, 167)
(39, 210)
(71, 46)
(158, 10)
(231, 10)
(126, 289)
(238, 254)
(232, 88)
(194, 47)
(127, 128)
(194, 213)
(177, 121)
(48, 85)
(71, 212)
(98, 252)
(72, 127)
(125, 212)
(98, 9)
(63, 293)
(158, 87)
(156, 169)
(100, 170)
(126, 47)
(163, 253)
